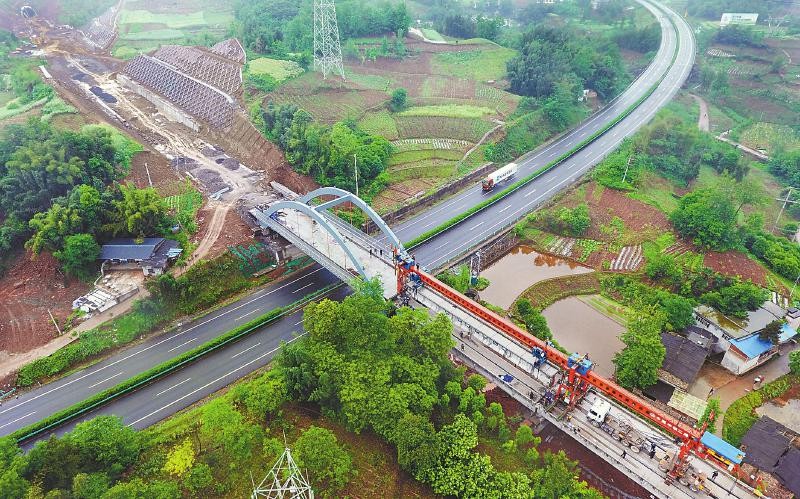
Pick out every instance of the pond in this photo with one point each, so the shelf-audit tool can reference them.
(519, 269)
(580, 328)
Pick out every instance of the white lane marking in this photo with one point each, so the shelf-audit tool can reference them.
(173, 386)
(440, 246)
(246, 350)
(110, 377)
(214, 381)
(245, 315)
(476, 226)
(182, 344)
(298, 322)
(501, 211)
(18, 419)
(526, 195)
(304, 287)
(162, 341)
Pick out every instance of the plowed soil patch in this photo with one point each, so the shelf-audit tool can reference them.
(27, 290)
(638, 217)
(736, 263)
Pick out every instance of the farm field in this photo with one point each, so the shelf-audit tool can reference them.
(276, 68)
(145, 25)
(449, 110)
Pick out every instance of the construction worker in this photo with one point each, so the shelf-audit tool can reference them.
(624, 453)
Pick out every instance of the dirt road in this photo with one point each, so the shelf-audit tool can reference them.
(702, 121)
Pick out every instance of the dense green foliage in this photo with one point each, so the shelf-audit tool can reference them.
(739, 35)
(399, 100)
(535, 322)
(78, 13)
(707, 217)
(550, 56)
(284, 27)
(318, 451)
(644, 39)
(327, 153)
(794, 362)
(786, 165)
(58, 186)
(638, 363)
(736, 299)
(389, 373)
(463, 26)
(566, 221)
(676, 309)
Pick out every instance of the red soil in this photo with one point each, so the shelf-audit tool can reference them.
(27, 290)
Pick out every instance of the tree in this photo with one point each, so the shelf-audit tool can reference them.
(11, 463)
(708, 217)
(199, 478)
(679, 312)
(140, 212)
(79, 253)
(224, 427)
(556, 478)
(638, 363)
(106, 444)
(711, 415)
(89, 485)
(737, 299)
(329, 465)
(771, 332)
(399, 99)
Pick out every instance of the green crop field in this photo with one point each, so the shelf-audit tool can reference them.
(176, 20)
(380, 123)
(484, 64)
(432, 34)
(276, 68)
(423, 155)
(449, 111)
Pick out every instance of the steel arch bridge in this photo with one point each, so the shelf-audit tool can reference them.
(342, 233)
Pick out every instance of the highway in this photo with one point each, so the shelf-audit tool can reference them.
(52, 397)
(179, 390)
(472, 231)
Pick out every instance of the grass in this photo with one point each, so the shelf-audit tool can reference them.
(449, 111)
(11, 109)
(608, 307)
(432, 34)
(380, 123)
(156, 34)
(171, 20)
(278, 69)
(655, 191)
(55, 107)
(485, 64)
(424, 155)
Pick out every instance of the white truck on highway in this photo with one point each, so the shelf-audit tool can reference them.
(498, 176)
(599, 416)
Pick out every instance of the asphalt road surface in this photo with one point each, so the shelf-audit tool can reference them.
(194, 382)
(39, 403)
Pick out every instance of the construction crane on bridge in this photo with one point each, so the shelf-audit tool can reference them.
(577, 376)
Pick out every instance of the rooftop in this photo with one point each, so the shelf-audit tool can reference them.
(684, 358)
(753, 346)
(765, 443)
(129, 249)
(722, 447)
(738, 328)
(786, 471)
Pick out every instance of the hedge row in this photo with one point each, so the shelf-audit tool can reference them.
(541, 171)
(160, 370)
(741, 415)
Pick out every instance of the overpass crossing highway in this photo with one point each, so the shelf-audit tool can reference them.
(174, 392)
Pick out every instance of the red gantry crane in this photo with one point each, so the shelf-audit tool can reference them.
(579, 377)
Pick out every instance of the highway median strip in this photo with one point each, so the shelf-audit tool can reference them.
(425, 236)
(163, 369)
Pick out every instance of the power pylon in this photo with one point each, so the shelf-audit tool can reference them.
(327, 50)
(284, 481)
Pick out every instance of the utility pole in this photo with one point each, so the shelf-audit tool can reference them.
(785, 201)
(355, 165)
(627, 165)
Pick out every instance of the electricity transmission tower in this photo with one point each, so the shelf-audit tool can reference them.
(327, 50)
(284, 481)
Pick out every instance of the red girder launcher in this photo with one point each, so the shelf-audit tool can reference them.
(579, 376)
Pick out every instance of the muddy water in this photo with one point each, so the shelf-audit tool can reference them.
(520, 269)
(788, 415)
(580, 328)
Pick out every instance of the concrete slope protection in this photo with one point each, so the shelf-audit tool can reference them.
(669, 70)
(174, 392)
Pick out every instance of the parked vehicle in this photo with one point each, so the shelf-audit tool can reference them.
(599, 415)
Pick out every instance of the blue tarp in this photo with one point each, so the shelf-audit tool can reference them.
(722, 447)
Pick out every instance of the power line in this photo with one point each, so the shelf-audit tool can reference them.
(327, 50)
